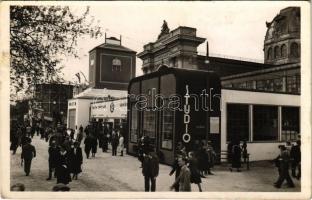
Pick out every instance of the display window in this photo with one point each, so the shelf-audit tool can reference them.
(149, 125)
(237, 122)
(290, 123)
(265, 123)
(134, 125)
(167, 128)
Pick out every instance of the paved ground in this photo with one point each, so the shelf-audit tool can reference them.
(107, 173)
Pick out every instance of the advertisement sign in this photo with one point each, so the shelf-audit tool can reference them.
(109, 109)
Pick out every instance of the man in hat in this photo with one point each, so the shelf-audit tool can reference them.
(150, 170)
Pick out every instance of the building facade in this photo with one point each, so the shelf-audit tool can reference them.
(111, 65)
(260, 102)
(50, 101)
(111, 68)
(177, 48)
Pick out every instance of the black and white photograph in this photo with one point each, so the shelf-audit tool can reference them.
(151, 99)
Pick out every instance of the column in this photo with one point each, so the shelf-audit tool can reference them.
(250, 123)
(279, 121)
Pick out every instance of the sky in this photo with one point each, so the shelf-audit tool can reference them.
(234, 29)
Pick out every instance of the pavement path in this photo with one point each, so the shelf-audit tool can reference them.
(108, 173)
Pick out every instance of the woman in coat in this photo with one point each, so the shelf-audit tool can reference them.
(236, 156)
(62, 168)
(75, 160)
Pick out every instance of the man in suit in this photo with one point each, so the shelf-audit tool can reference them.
(28, 153)
(150, 170)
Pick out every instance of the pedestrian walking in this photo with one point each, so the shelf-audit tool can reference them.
(150, 171)
(75, 160)
(28, 153)
(62, 168)
(202, 158)
(236, 157)
(94, 144)
(88, 144)
(140, 150)
(244, 150)
(193, 166)
(14, 141)
(183, 180)
(211, 157)
(115, 141)
(54, 151)
(121, 144)
(295, 156)
(283, 164)
(176, 168)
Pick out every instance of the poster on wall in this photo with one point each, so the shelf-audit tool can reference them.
(214, 125)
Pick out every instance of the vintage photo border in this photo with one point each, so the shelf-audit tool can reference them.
(305, 114)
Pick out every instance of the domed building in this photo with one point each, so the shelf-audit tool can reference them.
(282, 39)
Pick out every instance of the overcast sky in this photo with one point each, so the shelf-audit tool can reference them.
(234, 29)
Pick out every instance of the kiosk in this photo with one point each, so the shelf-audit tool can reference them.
(174, 105)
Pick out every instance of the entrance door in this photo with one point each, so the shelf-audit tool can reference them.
(72, 118)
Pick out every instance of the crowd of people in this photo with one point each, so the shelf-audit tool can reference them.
(189, 167)
(289, 157)
(65, 153)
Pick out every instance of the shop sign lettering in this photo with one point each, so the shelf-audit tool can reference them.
(186, 137)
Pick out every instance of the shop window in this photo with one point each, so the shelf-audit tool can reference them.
(278, 84)
(276, 52)
(269, 55)
(134, 124)
(290, 123)
(293, 84)
(237, 122)
(294, 50)
(116, 65)
(283, 51)
(265, 123)
(167, 129)
(149, 125)
(250, 85)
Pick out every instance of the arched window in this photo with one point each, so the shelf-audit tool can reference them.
(294, 50)
(283, 51)
(116, 65)
(269, 54)
(276, 52)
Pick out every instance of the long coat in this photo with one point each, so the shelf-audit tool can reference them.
(75, 159)
(88, 143)
(236, 156)
(184, 180)
(62, 169)
(53, 156)
(193, 166)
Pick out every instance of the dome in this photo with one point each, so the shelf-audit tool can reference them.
(282, 39)
(286, 22)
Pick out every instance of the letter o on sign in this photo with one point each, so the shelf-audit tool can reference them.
(186, 138)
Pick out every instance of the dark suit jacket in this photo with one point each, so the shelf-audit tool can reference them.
(28, 152)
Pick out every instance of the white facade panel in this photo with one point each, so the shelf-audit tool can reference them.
(258, 150)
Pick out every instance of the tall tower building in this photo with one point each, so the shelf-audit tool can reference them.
(111, 65)
(282, 39)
